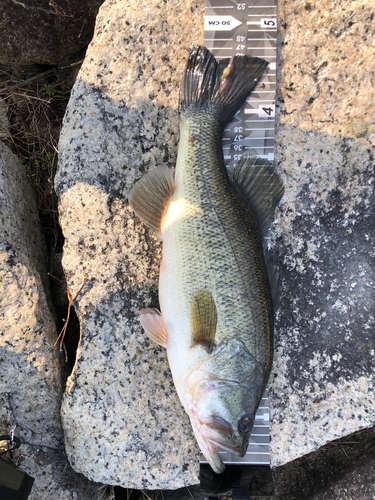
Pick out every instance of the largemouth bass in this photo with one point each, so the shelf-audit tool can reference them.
(216, 290)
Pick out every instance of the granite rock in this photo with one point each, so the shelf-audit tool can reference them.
(43, 31)
(30, 375)
(322, 384)
(55, 479)
(30, 378)
(123, 422)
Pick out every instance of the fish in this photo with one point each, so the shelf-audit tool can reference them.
(217, 288)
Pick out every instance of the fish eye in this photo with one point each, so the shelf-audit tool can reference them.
(245, 424)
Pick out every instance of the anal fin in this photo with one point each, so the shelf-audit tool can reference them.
(150, 195)
(203, 320)
(154, 325)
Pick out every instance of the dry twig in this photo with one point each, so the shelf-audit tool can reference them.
(23, 83)
(71, 300)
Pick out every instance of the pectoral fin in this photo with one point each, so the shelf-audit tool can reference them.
(203, 320)
(150, 196)
(154, 325)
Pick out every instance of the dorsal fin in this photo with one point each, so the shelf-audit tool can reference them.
(260, 186)
(150, 195)
(274, 279)
(256, 181)
(203, 320)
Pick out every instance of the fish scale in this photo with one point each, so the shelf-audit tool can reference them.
(207, 189)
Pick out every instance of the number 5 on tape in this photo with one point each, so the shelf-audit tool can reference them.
(266, 111)
(268, 23)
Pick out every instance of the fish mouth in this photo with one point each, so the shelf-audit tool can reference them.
(240, 450)
(213, 434)
(210, 451)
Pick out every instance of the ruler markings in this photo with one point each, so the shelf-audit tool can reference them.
(255, 129)
(258, 138)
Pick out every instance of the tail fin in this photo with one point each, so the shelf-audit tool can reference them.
(219, 86)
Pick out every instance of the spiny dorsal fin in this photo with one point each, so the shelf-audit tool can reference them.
(274, 279)
(203, 320)
(150, 195)
(261, 187)
(154, 325)
(256, 181)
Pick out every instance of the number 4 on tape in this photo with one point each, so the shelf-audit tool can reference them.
(267, 111)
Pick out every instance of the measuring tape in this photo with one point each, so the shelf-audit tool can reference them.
(248, 28)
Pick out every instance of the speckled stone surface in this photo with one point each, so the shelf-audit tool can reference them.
(30, 379)
(123, 422)
(55, 479)
(322, 384)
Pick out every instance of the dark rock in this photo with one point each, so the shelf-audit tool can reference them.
(327, 472)
(43, 31)
(357, 482)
